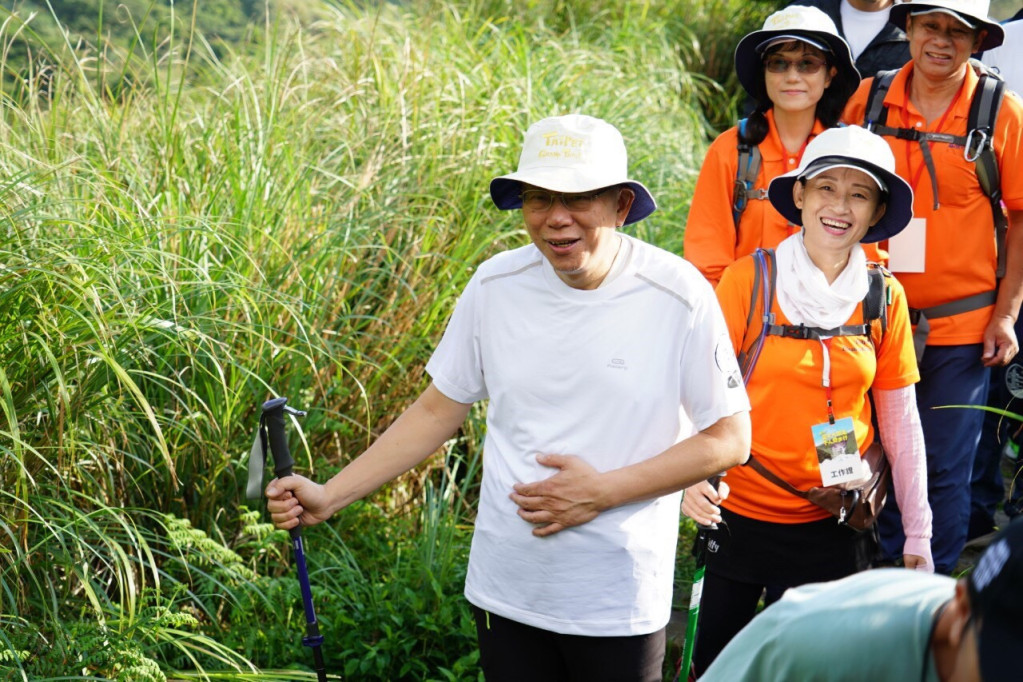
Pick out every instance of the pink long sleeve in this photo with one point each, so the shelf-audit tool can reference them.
(903, 441)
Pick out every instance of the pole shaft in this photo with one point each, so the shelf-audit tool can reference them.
(693, 616)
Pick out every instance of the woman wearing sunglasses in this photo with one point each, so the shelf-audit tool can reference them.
(799, 72)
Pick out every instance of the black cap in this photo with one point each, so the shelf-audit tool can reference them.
(996, 602)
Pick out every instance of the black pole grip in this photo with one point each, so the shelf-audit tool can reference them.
(273, 414)
(714, 481)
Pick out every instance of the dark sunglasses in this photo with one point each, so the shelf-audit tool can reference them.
(807, 64)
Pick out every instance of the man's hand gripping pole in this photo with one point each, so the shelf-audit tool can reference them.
(271, 432)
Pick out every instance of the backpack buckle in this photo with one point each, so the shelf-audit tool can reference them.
(739, 196)
(970, 152)
(792, 331)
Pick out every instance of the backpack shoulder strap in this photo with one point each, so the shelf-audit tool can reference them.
(980, 126)
(876, 113)
(760, 317)
(745, 174)
(877, 300)
(875, 120)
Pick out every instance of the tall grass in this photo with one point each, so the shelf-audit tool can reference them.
(196, 234)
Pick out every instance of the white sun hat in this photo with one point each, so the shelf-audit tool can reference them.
(849, 147)
(973, 13)
(573, 153)
(796, 22)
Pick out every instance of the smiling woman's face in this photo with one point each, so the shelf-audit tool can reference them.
(791, 91)
(838, 206)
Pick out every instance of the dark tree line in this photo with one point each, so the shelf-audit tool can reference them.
(40, 32)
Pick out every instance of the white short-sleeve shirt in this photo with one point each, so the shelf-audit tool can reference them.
(614, 375)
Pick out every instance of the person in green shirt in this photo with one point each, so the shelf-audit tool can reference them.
(891, 625)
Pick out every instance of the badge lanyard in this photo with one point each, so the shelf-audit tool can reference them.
(826, 377)
(835, 440)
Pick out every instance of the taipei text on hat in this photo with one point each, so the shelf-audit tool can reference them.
(573, 153)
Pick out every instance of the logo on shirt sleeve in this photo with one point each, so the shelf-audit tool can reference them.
(724, 358)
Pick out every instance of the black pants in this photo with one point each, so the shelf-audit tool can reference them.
(512, 652)
(725, 608)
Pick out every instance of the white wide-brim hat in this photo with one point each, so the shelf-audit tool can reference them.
(973, 13)
(573, 153)
(849, 147)
(796, 22)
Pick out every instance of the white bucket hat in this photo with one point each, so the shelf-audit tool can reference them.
(796, 22)
(573, 153)
(849, 147)
(973, 13)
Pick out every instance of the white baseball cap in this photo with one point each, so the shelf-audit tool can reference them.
(573, 153)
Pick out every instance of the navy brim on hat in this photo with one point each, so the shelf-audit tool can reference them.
(749, 64)
(506, 192)
(897, 215)
(995, 33)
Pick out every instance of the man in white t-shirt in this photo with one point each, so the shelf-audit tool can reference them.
(876, 45)
(612, 386)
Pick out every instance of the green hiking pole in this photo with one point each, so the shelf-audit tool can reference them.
(700, 554)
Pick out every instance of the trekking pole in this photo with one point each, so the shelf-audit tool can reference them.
(271, 430)
(700, 553)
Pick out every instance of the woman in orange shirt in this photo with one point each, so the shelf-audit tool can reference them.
(800, 73)
(808, 390)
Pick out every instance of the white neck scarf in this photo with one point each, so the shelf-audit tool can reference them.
(804, 293)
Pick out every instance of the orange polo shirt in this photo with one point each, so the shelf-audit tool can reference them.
(960, 257)
(788, 397)
(710, 241)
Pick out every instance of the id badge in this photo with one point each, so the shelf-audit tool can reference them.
(907, 249)
(837, 452)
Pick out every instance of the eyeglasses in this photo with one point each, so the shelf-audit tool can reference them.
(807, 65)
(540, 200)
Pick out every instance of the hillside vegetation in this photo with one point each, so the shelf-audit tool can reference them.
(190, 225)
